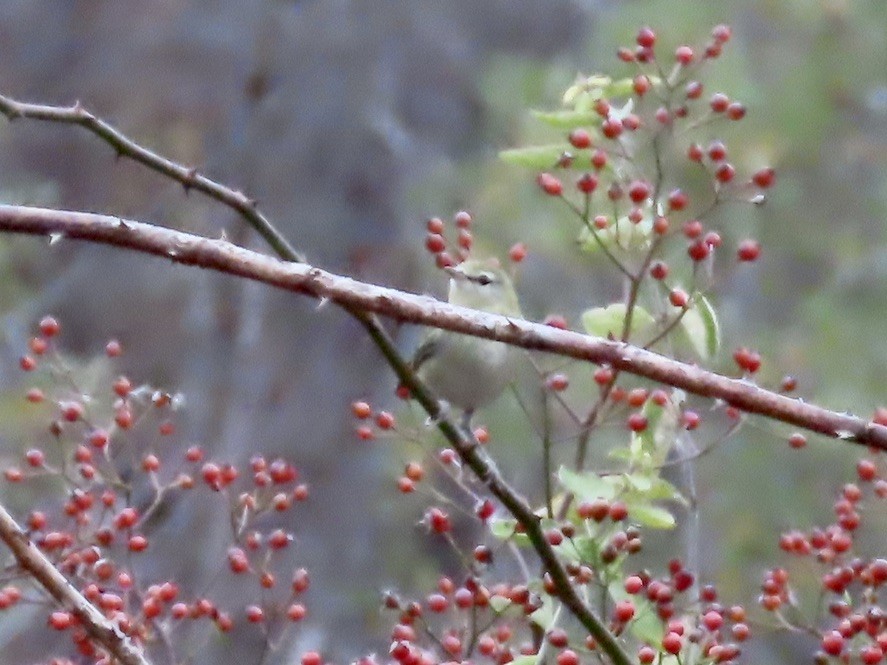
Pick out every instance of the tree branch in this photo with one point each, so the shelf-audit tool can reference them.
(41, 569)
(360, 297)
(126, 147)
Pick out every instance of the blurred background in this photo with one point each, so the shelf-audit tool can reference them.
(351, 123)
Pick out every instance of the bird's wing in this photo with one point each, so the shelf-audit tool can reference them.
(427, 349)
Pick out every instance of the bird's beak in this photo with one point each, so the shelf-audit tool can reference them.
(454, 272)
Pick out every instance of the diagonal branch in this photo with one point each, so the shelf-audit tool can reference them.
(360, 299)
(126, 147)
(41, 569)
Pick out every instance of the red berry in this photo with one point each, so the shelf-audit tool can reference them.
(646, 37)
(438, 520)
(113, 349)
(712, 621)
(694, 152)
(638, 191)
(646, 654)
(721, 33)
(764, 178)
(833, 643)
(361, 410)
(633, 584)
(725, 172)
(684, 55)
(625, 54)
(296, 612)
(717, 151)
(692, 229)
(719, 102)
(678, 298)
(736, 111)
(677, 200)
(580, 138)
(35, 457)
(866, 470)
(549, 184)
(672, 643)
(518, 252)
(599, 159)
(658, 270)
(611, 127)
(693, 90)
(595, 510)
(385, 420)
(567, 657)
(435, 243)
(587, 183)
(699, 250)
(637, 422)
(462, 219)
(748, 250)
(557, 382)
(797, 440)
(61, 620)
(641, 85)
(27, 363)
(49, 326)
(71, 411)
(871, 654)
(435, 225)
(618, 511)
(34, 395)
(624, 611)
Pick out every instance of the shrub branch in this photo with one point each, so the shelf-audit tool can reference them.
(361, 297)
(45, 573)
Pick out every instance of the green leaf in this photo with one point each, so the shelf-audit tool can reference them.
(700, 323)
(567, 119)
(664, 490)
(544, 616)
(503, 529)
(587, 486)
(524, 660)
(588, 549)
(647, 514)
(540, 157)
(646, 625)
(624, 235)
(609, 321)
(499, 604)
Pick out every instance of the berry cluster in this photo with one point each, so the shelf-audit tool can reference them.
(852, 584)
(447, 254)
(114, 451)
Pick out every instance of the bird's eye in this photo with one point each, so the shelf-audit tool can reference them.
(484, 278)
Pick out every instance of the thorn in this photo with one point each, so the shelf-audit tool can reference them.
(121, 224)
(224, 236)
(188, 180)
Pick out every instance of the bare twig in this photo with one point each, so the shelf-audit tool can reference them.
(189, 178)
(43, 571)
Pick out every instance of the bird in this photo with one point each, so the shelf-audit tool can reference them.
(469, 372)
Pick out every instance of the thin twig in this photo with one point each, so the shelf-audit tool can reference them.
(189, 178)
